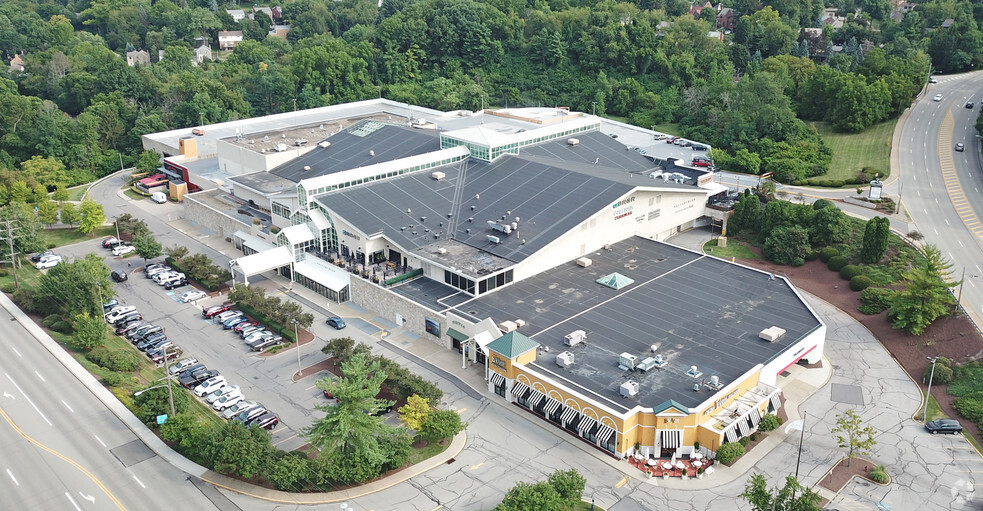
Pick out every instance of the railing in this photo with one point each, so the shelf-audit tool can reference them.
(404, 277)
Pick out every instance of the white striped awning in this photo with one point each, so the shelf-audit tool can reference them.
(755, 417)
(742, 425)
(534, 398)
(568, 415)
(604, 433)
(730, 435)
(776, 401)
(671, 438)
(585, 424)
(519, 388)
(497, 379)
(551, 406)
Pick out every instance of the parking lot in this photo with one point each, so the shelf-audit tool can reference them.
(633, 136)
(265, 379)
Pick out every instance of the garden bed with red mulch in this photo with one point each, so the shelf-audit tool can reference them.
(841, 474)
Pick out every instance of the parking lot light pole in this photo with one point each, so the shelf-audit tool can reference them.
(929, 393)
(170, 393)
(116, 221)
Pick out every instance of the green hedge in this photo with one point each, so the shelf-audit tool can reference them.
(406, 276)
(875, 300)
(769, 422)
(729, 452)
(286, 332)
(828, 253)
(836, 263)
(849, 271)
(860, 282)
(206, 283)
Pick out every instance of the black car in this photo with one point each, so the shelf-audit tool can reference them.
(199, 367)
(194, 379)
(117, 243)
(381, 411)
(699, 147)
(176, 284)
(969, 104)
(37, 257)
(118, 276)
(122, 327)
(950, 426)
(267, 420)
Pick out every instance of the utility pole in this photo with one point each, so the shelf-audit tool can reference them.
(12, 260)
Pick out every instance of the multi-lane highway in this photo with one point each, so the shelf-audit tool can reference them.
(64, 449)
(942, 188)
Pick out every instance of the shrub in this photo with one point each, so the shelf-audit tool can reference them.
(836, 263)
(754, 437)
(4, 272)
(812, 255)
(124, 361)
(52, 245)
(970, 407)
(62, 327)
(8, 287)
(860, 282)
(942, 376)
(828, 253)
(875, 300)
(768, 422)
(744, 441)
(849, 271)
(879, 475)
(729, 452)
(113, 379)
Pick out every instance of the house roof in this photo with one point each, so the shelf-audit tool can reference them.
(512, 345)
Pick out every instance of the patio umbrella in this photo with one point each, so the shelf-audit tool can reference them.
(673, 460)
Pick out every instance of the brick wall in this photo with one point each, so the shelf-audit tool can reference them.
(387, 304)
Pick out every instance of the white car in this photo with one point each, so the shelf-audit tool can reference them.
(259, 334)
(164, 276)
(238, 408)
(191, 296)
(119, 312)
(123, 250)
(210, 385)
(48, 262)
(226, 391)
(225, 402)
(182, 364)
(938, 97)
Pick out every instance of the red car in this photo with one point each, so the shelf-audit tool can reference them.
(701, 163)
(211, 312)
(671, 140)
(198, 131)
(244, 325)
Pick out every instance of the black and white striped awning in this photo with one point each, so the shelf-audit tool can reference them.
(604, 433)
(568, 415)
(534, 398)
(743, 426)
(585, 424)
(776, 401)
(519, 389)
(730, 435)
(497, 379)
(755, 417)
(551, 406)
(672, 438)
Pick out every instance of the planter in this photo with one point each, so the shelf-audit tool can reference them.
(665, 475)
(649, 474)
(685, 476)
(699, 475)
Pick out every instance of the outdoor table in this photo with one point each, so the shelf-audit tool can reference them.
(667, 465)
(697, 464)
(638, 457)
(698, 456)
(680, 465)
(652, 463)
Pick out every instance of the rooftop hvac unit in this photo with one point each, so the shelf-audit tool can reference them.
(694, 372)
(300, 141)
(372, 153)
(626, 361)
(772, 334)
(660, 361)
(573, 141)
(494, 239)
(500, 227)
(508, 326)
(584, 262)
(574, 338)
(441, 250)
(564, 359)
(307, 168)
(714, 383)
(629, 388)
(646, 364)
(280, 147)
(438, 175)
(324, 145)
(519, 323)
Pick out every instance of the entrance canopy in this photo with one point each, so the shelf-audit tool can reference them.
(328, 275)
(262, 261)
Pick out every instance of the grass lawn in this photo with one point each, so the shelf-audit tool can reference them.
(133, 195)
(934, 412)
(27, 275)
(854, 151)
(734, 248)
(77, 192)
(586, 506)
(61, 237)
(668, 128)
(424, 453)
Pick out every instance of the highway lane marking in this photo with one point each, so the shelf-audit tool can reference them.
(66, 406)
(960, 244)
(12, 478)
(17, 352)
(39, 376)
(70, 499)
(285, 439)
(68, 460)
(140, 483)
(28, 399)
(99, 440)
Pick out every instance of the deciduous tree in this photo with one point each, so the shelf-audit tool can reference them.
(147, 246)
(791, 497)
(441, 424)
(853, 435)
(415, 412)
(69, 215)
(92, 216)
(89, 331)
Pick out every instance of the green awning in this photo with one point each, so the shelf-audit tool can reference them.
(457, 336)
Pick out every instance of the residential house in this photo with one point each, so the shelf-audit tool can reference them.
(265, 10)
(228, 39)
(137, 57)
(277, 14)
(948, 23)
(716, 34)
(696, 9)
(237, 14)
(280, 31)
(16, 64)
(201, 53)
(727, 19)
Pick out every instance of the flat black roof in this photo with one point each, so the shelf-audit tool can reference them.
(699, 310)
(552, 190)
(350, 149)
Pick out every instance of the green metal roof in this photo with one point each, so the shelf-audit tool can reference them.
(670, 404)
(615, 281)
(457, 334)
(512, 345)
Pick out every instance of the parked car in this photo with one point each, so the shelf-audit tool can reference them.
(258, 334)
(251, 330)
(137, 334)
(969, 104)
(213, 311)
(129, 326)
(181, 365)
(226, 390)
(118, 276)
(335, 322)
(198, 132)
(122, 250)
(157, 357)
(950, 426)
(130, 316)
(166, 275)
(41, 255)
(701, 163)
(209, 385)
(194, 379)
(268, 420)
(151, 341)
(106, 307)
(960, 147)
(938, 97)
(244, 325)
(151, 272)
(195, 368)
(118, 311)
(265, 342)
(227, 401)
(192, 296)
(48, 262)
(174, 284)
(231, 322)
(227, 315)
(117, 243)
(381, 411)
(700, 147)
(250, 414)
(106, 242)
(238, 408)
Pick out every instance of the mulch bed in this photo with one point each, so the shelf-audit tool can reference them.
(333, 366)
(841, 473)
(954, 337)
